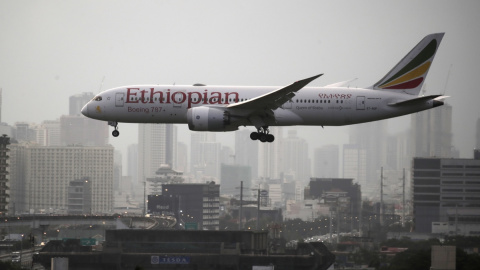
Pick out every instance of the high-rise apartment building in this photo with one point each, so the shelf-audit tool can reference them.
(41, 175)
(325, 161)
(446, 192)
(432, 133)
(156, 146)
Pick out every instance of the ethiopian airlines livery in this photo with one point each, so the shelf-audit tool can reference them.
(225, 108)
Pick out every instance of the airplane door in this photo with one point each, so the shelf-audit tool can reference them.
(360, 103)
(119, 99)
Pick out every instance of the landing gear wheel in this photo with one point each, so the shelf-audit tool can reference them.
(254, 136)
(270, 138)
(115, 133)
(263, 137)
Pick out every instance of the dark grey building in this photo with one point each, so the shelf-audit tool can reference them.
(444, 189)
(4, 194)
(80, 197)
(198, 204)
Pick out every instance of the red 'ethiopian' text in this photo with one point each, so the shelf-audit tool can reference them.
(135, 95)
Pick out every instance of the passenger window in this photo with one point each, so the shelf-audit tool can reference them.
(98, 98)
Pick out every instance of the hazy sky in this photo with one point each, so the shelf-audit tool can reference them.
(50, 50)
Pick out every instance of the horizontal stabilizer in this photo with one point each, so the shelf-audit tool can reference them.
(417, 100)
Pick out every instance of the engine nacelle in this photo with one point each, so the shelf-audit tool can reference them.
(209, 119)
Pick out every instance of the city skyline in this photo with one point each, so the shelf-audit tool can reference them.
(38, 71)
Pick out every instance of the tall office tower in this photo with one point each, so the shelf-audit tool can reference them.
(132, 162)
(23, 132)
(17, 174)
(270, 156)
(371, 138)
(246, 151)
(325, 161)
(42, 175)
(80, 130)
(295, 160)
(355, 166)
(156, 146)
(4, 189)
(76, 102)
(48, 133)
(182, 157)
(446, 195)
(226, 155)
(432, 133)
(232, 175)
(205, 155)
(477, 135)
(117, 170)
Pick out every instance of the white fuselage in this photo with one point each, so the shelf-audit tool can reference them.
(310, 106)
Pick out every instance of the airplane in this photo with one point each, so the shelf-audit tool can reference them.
(226, 108)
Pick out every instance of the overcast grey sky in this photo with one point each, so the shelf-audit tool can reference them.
(50, 50)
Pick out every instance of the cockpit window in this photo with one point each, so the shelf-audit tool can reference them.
(97, 98)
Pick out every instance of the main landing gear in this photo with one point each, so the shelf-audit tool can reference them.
(115, 132)
(262, 135)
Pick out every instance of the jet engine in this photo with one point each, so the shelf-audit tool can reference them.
(209, 119)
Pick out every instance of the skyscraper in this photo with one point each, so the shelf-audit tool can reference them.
(295, 160)
(371, 142)
(205, 155)
(432, 133)
(76, 102)
(132, 162)
(325, 162)
(246, 151)
(270, 156)
(156, 146)
(4, 192)
(80, 130)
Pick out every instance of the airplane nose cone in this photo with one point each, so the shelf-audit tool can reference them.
(85, 110)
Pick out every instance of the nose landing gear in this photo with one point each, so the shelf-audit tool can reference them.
(115, 132)
(262, 135)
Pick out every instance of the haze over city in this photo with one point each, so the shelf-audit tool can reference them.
(54, 49)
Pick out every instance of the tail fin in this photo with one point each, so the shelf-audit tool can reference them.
(410, 73)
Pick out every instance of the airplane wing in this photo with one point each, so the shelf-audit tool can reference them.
(259, 111)
(274, 99)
